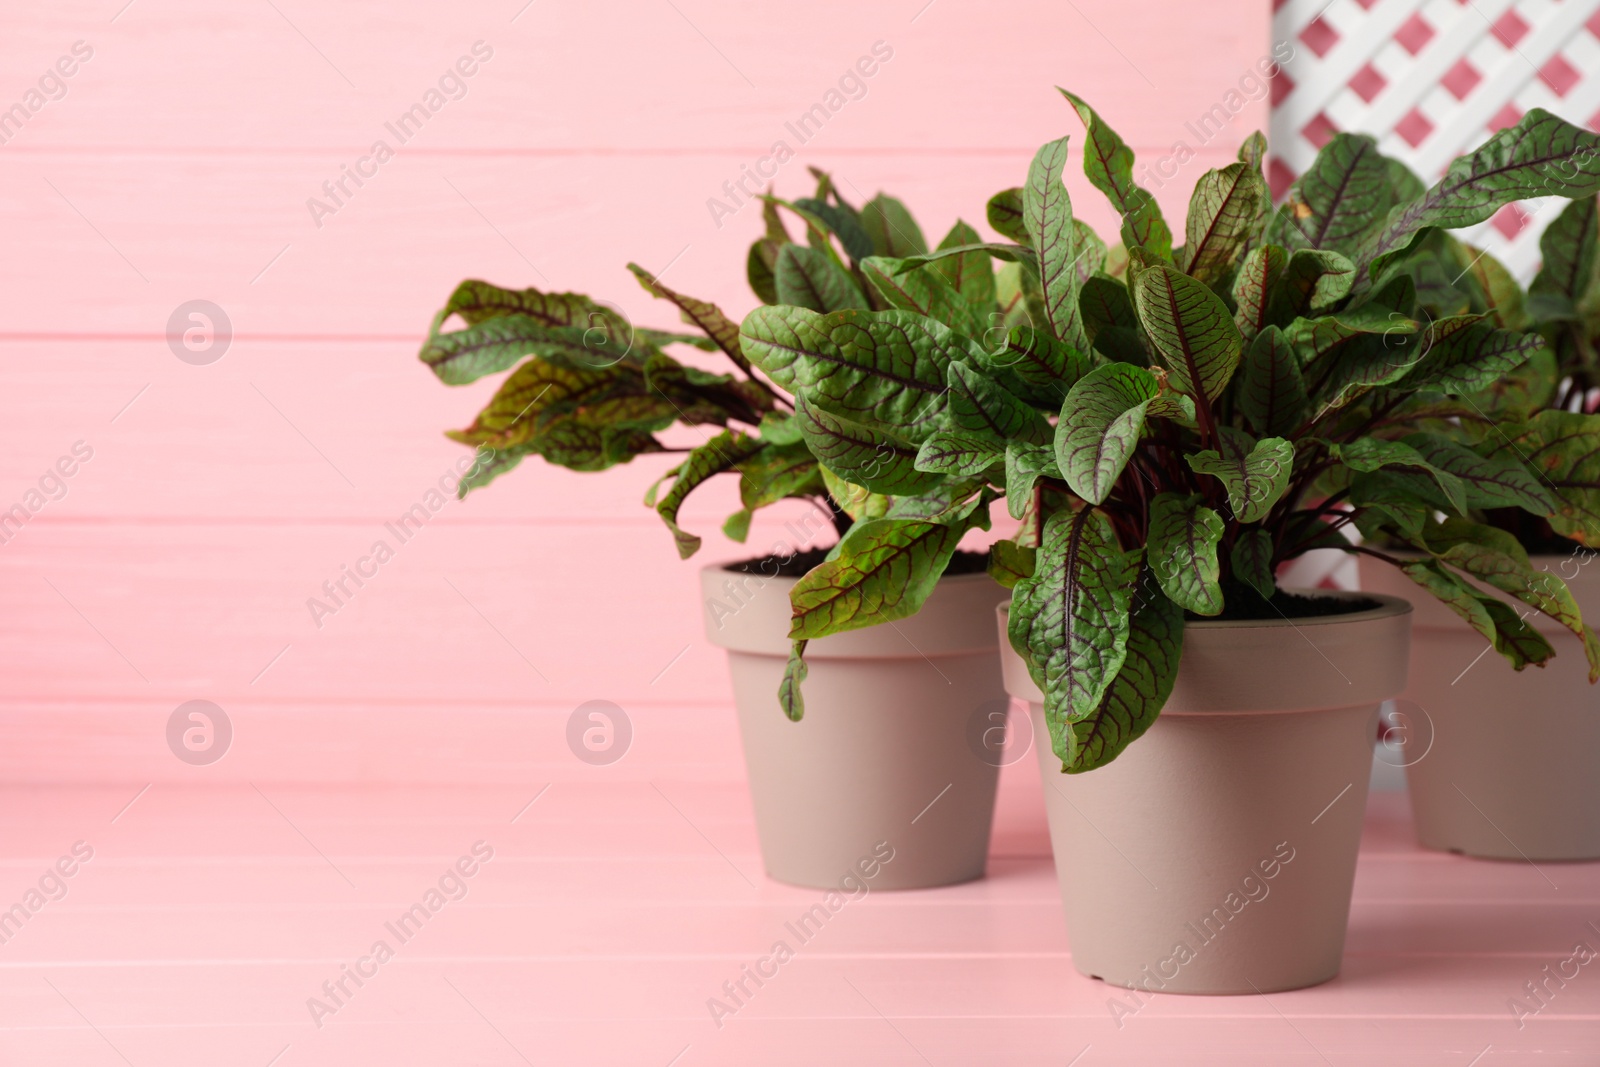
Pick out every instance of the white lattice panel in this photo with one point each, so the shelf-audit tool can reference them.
(1430, 79)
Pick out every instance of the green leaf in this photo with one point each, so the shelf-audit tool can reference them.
(964, 453)
(1497, 290)
(1340, 202)
(759, 266)
(970, 273)
(876, 460)
(1134, 698)
(1343, 356)
(1251, 560)
(1182, 549)
(1191, 327)
(1110, 321)
(1510, 636)
(489, 465)
(723, 452)
(882, 368)
(539, 391)
(1108, 162)
(1100, 425)
(1004, 212)
(1569, 248)
(736, 527)
(842, 222)
(924, 292)
(1070, 620)
(1542, 155)
(777, 338)
(808, 278)
(1467, 353)
(1253, 286)
(1042, 368)
(1255, 477)
(497, 343)
(776, 473)
(1272, 392)
(1504, 481)
(478, 301)
(717, 326)
(855, 501)
(891, 229)
(1370, 454)
(1495, 557)
(1225, 211)
(979, 403)
(1048, 214)
(1312, 281)
(1025, 465)
(1564, 447)
(884, 571)
(794, 675)
(1010, 563)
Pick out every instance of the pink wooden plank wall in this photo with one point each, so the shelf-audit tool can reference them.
(177, 166)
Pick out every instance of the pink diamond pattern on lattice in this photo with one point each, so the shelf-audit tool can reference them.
(1430, 79)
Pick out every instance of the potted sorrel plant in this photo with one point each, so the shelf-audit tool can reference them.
(884, 762)
(1529, 792)
(1172, 424)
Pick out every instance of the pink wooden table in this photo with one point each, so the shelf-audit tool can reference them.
(176, 564)
(612, 910)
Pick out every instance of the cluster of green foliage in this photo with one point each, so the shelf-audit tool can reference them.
(590, 391)
(1168, 422)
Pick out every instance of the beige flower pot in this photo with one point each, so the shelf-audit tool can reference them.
(1500, 763)
(1216, 854)
(881, 763)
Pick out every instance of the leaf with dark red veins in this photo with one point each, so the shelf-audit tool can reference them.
(809, 278)
(925, 292)
(1031, 361)
(1542, 155)
(891, 228)
(1108, 163)
(1568, 246)
(1272, 392)
(1564, 447)
(1010, 563)
(794, 674)
(1503, 481)
(1069, 621)
(717, 326)
(1251, 560)
(862, 455)
(1182, 551)
(1224, 212)
(1100, 425)
(1004, 212)
(1134, 698)
(884, 571)
(1312, 281)
(1467, 353)
(1510, 636)
(1341, 200)
(980, 404)
(723, 452)
(971, 273)
(1190, 325)
(1252, 288)
(1025, 465)
(1048, 214)
(1254, 474)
